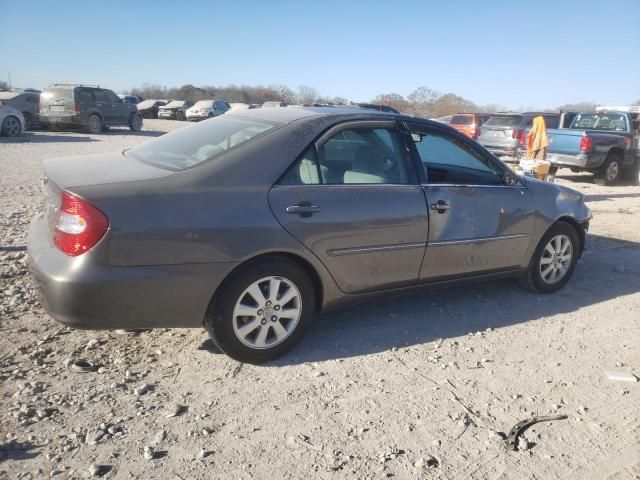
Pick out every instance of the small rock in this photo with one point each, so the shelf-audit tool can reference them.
(94, 437)
(202, 454)
(160, 436)
(96, 470)
(148, 453)
(94, 342)
(142, 389)
(174, 410)
(318, 373)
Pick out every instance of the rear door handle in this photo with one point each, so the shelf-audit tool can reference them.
(440, 206)
(304, 208)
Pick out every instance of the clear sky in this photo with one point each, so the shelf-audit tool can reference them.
(515, 53)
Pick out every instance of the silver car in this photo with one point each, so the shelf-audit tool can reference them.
(504, 134)
(251, 223)
(11, 121)
(25, 101)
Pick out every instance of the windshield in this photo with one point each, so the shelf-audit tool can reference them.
(600, 121)
(503, 121)
(204, 104)
(175, 104)
(462, 120)
(190, 146)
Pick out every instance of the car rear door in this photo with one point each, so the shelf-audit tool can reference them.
(103, 105)
(353, 200)
(119, 110)
(477, 223)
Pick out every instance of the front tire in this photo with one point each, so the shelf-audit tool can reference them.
(554, 260)
(262, 310)
(135, 122)
(610, 172)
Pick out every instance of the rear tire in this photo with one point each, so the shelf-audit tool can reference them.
(135, 122)
(279, 301)
(95, 124)
(11, 127)
(554, 260)
(610, 172)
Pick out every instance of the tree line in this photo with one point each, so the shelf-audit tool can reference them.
(422, 102)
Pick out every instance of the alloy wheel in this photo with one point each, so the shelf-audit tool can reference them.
(12, 127)
(267, 312)
(556, 259)
(612, 172)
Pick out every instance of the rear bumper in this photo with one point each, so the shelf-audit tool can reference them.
(167, 115)
(581, 161)
(197, 118)
(82, 293)
(48, 119)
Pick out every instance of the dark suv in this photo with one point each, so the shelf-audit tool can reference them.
(80, 106)
(504, 133)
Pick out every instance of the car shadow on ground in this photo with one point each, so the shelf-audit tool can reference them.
(59, 137)
(608, 269)
(588, 178)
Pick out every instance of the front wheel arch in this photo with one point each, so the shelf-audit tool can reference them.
(582, 235)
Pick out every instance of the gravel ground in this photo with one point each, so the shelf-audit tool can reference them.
(421, 386)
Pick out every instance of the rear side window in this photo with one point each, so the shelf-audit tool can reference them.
(363, 156)
(84, 95)
(100, 96)
(600, 121)
(504, 121)
(462, 120)
(188, 147)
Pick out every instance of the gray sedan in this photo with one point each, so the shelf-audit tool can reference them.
(250, 223)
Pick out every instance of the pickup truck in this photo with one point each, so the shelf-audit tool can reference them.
(605, 143)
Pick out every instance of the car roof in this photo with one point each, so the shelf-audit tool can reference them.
(292, 114)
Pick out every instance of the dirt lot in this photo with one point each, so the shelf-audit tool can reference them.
(422, 386)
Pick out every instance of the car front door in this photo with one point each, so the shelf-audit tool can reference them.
(119, 111)
(477, 222)
(352, 200)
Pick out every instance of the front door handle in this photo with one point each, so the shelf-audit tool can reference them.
(303, 208)
(440, 206)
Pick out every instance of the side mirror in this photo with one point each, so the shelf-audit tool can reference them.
(510, 179)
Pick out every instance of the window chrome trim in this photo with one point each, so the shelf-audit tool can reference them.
(337, 252)
(476, 240)
(464, 185)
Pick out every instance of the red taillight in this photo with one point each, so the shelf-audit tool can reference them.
(586, 144)
(79, 226)
(474, 131)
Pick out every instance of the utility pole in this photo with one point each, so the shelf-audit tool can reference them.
(9, 79)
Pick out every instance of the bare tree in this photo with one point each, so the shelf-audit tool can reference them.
(583, 106)
(286, 94)
(307, 95)
(394, 100)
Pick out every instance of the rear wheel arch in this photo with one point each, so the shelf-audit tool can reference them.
(302, 263)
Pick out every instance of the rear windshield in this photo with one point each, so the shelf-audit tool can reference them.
(600, 121)
(190, 146)
(147, 103)
(504, 121)
(461, 120)
(51, 94)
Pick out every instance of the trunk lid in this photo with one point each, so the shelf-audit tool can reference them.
(564, 141)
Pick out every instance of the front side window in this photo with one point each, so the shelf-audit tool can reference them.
(449, 160)
(188, 147)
